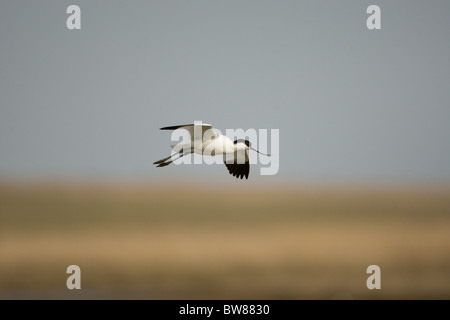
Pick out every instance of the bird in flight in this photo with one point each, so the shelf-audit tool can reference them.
(205, 141)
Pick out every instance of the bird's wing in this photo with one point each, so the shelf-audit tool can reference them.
(236, 168)
(191, 128)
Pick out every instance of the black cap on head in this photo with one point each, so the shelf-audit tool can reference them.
(247, 143)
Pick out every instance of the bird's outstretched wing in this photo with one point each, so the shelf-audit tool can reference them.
(237, 169)
(191, 128)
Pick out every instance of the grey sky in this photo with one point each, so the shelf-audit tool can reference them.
(351, 104)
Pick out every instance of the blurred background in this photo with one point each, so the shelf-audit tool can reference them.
(364, 177)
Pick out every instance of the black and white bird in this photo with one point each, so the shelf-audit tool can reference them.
(205, 141)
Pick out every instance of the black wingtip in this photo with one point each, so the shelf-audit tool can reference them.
(238, 170)
(175, 127)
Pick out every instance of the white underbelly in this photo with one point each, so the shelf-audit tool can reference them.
(219, 146)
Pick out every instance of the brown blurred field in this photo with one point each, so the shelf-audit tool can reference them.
(192, 242)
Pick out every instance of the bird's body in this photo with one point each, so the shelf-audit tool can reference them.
(204, 141)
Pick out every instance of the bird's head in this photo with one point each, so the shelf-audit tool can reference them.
(241, 144)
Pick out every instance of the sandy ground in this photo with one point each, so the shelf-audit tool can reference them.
(143, 242)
